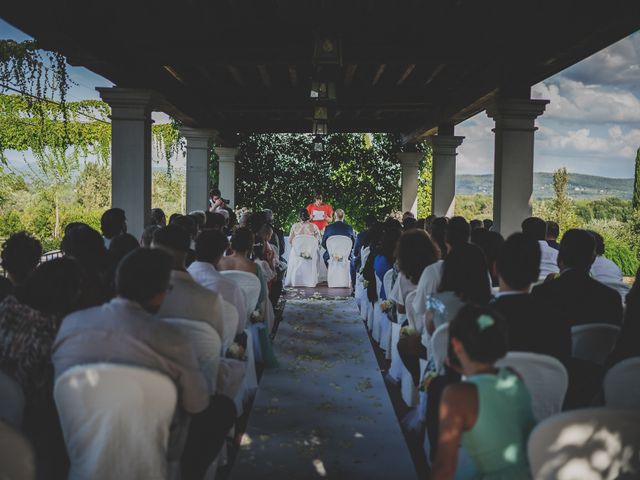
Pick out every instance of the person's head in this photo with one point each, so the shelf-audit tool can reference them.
(244, 219)
(210, 246)
(406, 215)
(20, 256)
(268, 215)
(488, 223)
(339, 214)
(317, 198)
(369, 221)
(409, 223)
(86, 246)
(490, 243)
(439, 233)
(373, 237)
(242, 240)
(475, 224)
(415, 252)
(113, 222)
(199, 218)
(535, 228)
(158, 217)
(54, 287)
(147, 235)
(599, 239)
(143, 277)
(173, 240)
(216, 196)
(214, 221)
(518, 263)
(256, 221)
(389, 243)
(477, 339)
(577, 250)
(71, 225)
(173, 217)
(457, 232)
(553, 230)
(265, 233)
(303, 215)
(120, 246)
(465, 273)
(188, 224)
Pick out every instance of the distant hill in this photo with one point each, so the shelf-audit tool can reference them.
(580, 186)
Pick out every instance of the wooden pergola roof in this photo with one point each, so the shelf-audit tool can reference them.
(406, 66)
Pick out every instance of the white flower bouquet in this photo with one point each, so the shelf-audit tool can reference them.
(306, 255)
(256, 316)
(407, 331)
(338, 258)
(365, 283)
(236, 351)
(387, 306)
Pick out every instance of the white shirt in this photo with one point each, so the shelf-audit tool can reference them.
(401, 289)
(548, 259)
(428, 285)
(605, 271)
(206, 275)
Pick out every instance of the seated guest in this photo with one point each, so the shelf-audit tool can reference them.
(476, 224)
(553, 232)
(629, 341)
(278, 235)
(210, 248)
(490, 243)
(536, 228)
(118, 249)
(20, 255)
(529, 328)
(487, 223)
(186, 299)
(386, 255)
(214, 221)
(147, 235)
(574, 298)
(356, 261)
(439, 232)
(408, 223)
(125, 331)
(304, 227)
(86, 246)
(158, 217)
(490, 412)
(338, 227)
(603, 269)
(188, 224)
(199, 217)
(112, 224)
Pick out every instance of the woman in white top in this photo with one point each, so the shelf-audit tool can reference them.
(304, 227)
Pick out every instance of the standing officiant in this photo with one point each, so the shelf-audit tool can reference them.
(320, 212)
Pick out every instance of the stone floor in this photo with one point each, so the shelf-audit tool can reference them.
(325, 412)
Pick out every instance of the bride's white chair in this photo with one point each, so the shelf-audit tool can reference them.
(339, 273)
(115, 420)
(302, 269)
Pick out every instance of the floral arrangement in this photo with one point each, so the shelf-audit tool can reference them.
(256, 316)
(306, 255)
(365, 283)
(427, 379)
(408, 331)
(387, 306)
(338, 258)
(236, 351)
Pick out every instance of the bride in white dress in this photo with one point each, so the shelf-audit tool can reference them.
(302, 268)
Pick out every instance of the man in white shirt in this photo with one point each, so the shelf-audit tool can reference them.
(603, 269)
(210, 247)
(186, 298)
(536, 228)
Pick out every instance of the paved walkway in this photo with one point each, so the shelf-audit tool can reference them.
(325, 412)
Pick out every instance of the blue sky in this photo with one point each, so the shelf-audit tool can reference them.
(592, 124)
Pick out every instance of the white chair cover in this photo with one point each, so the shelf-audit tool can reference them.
(378, 314)
(411, 314)
(440, 346)
(387, 281)
(594, 341)
(545, 377)
(17, 460)
(371, 308)
(339, 272)
(622, 384)
(115, 420)
(386, 323)
(250, 286)
(303, 272)
(230, 323)
(620, 287)
(322, 267)
(360, 293)
(207, 345)
(395, 369)
(591, 443)
(11, 400)
(408, 390)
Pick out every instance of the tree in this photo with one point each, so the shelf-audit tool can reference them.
(635, 203)
(425, 182)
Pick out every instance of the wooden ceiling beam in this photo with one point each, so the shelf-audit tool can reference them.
(437, 71)
(379, 73)
(406, 73)
(350, 72)
(293, 75)
(236, 75)
(264, 75)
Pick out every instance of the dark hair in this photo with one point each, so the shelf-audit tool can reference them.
(142, 274)
(409, 223)
(173, 217)
(439, 233)
(369, 220)
(465, 273)
(476, 224)
(484, 342)
(458, 231)
(242, 240)
(172, 237)
(187, 223)
(215, 192)
(113, 222)
(54, 287)
(199, 218)
(211, 245)
(577, 249)
(214, 221)
(553, 229)
(519, 261)
(415, 252)
(535, 228)
(373, 236)
(119, 247)
(147, 235)
(599, 239)
(86, 245)
(488, 223)
(21, 253)
(389, 243)
(489, 242)
(391, 223)
(158, 217)
(71, 225)
(317, 196)
(304, 215)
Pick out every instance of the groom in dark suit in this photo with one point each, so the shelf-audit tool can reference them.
(338, 227)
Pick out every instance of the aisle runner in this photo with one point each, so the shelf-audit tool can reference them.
(325, 412)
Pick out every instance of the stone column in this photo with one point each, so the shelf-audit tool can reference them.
(227, 173)
(131, 153)
(409, 162)
(443, 179)
(198, 144)
(513, 166)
